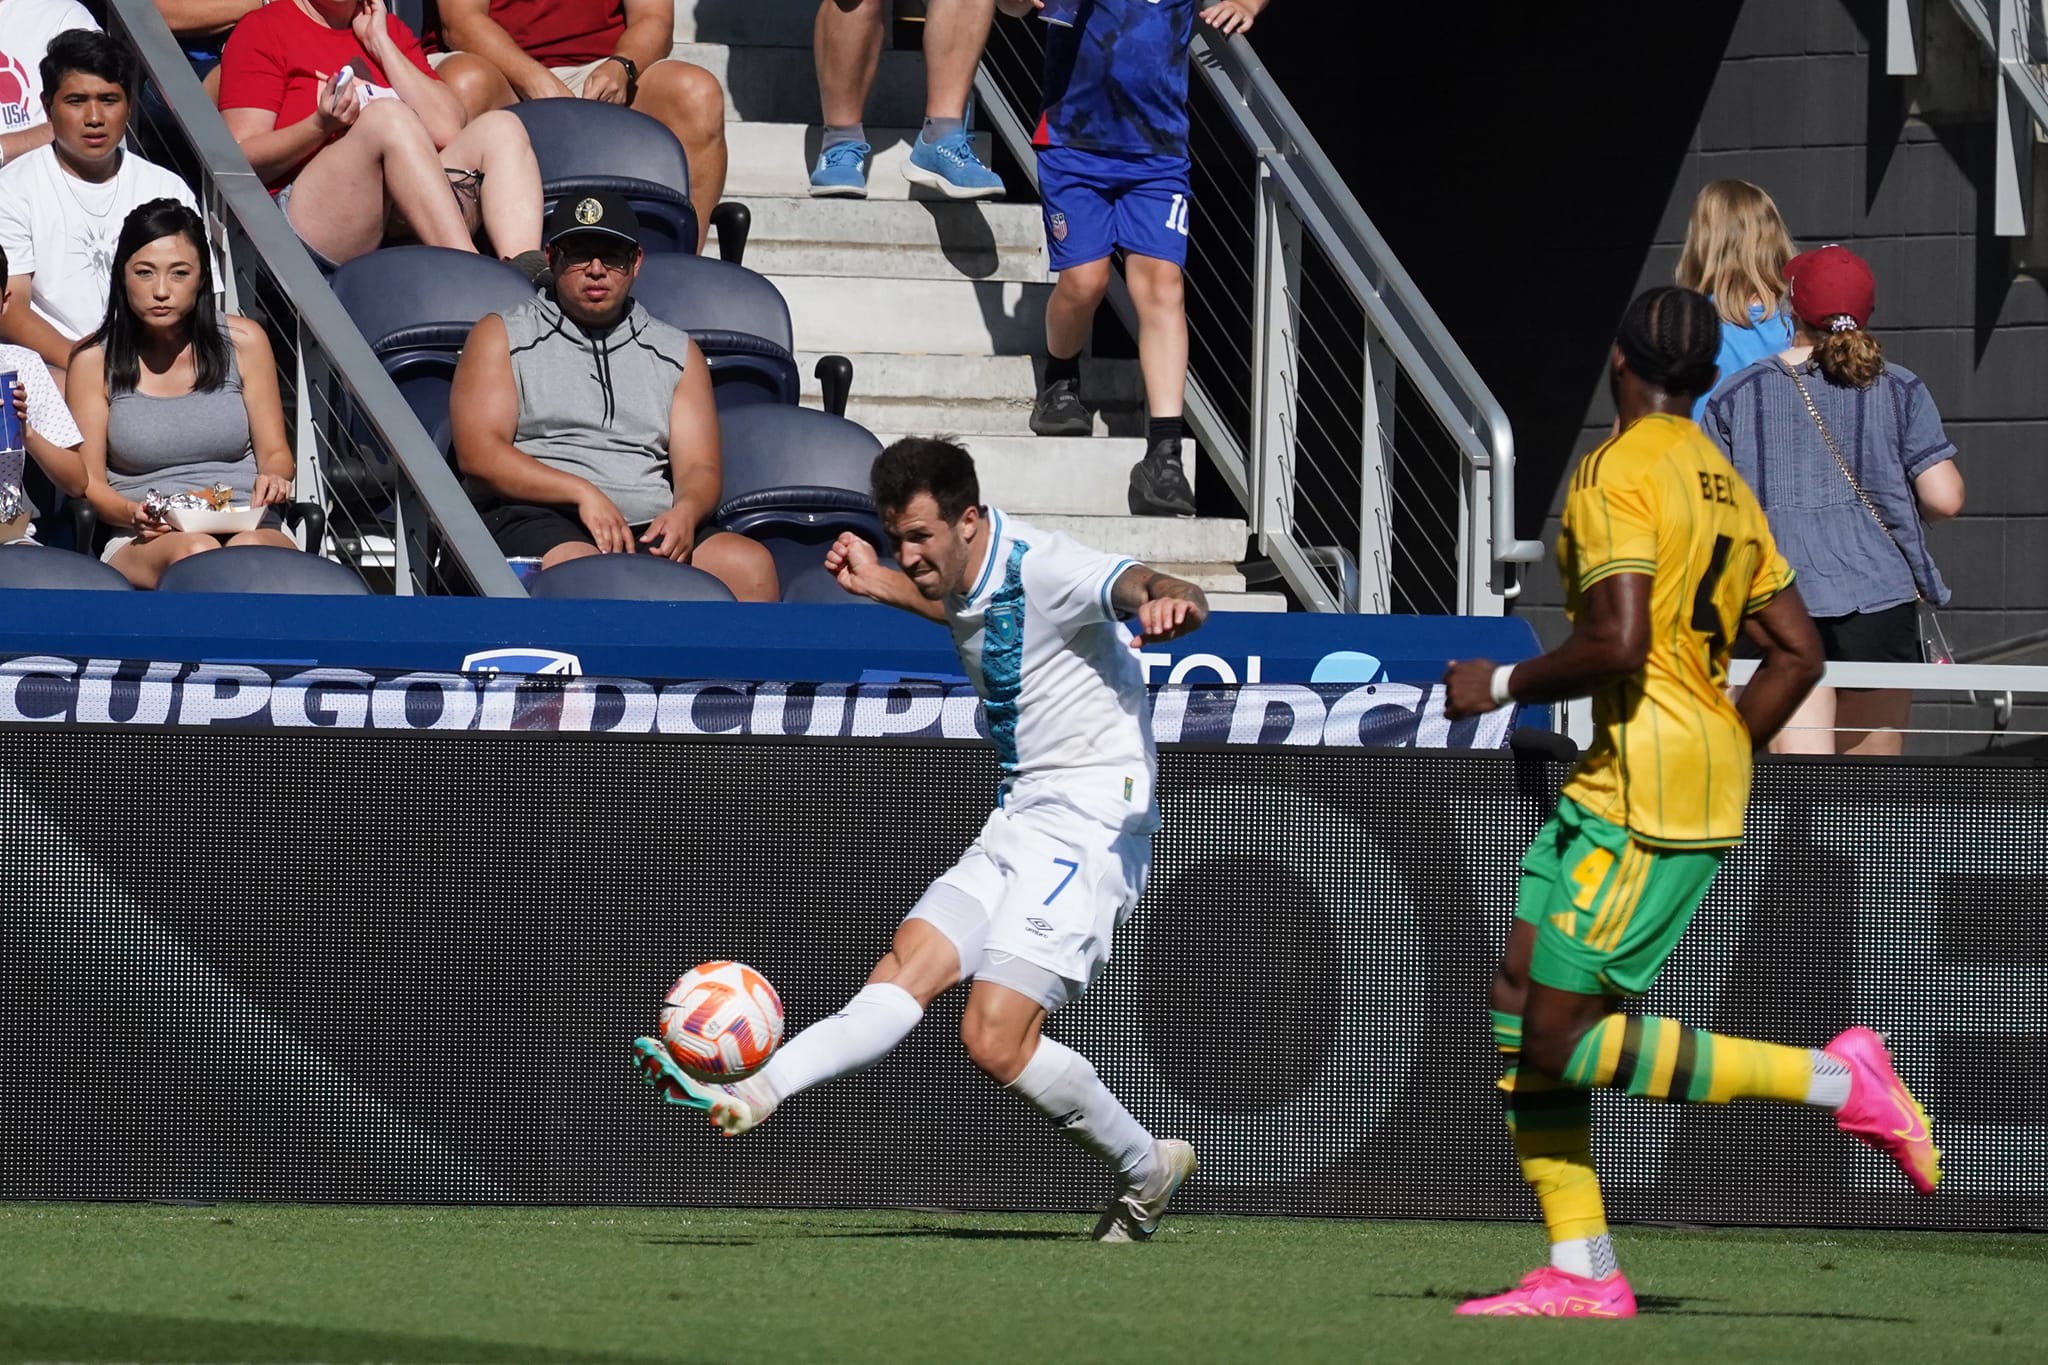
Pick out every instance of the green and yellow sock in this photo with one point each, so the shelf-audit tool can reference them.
(1664, 1060)
(1552, 1124)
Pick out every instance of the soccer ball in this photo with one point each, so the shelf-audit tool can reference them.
(721, 1022)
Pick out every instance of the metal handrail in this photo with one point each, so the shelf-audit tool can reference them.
(1302, 201)
(319, 315)
(1410, 326)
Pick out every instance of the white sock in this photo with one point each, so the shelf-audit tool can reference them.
(872, 1023)
(1061, 1085)
(1591, 1258)
(1829, 1088)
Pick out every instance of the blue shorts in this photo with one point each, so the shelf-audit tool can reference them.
(1095, 202)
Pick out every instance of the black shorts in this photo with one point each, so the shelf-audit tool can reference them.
(1889, 635)
(527, 530)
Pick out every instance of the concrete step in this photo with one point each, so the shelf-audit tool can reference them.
(774, 160)
(915, 317)
(1038, 476)
(1210, 578)
(780, 84)
(1155, 540)
(749, 23)
(1246, 601)
(929, 240)
(989, 395)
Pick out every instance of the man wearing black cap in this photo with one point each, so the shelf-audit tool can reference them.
(586, 425)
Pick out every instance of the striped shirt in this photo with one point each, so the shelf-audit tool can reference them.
(1670, 758)
(1890, 433)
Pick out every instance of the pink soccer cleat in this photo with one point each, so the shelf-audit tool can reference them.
(1881, 1112)
(1548, 1292)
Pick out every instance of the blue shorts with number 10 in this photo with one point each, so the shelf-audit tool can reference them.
(1096, 201)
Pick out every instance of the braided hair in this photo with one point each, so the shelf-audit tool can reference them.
(1670, 338)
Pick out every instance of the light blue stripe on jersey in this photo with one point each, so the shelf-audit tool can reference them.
(1109, 586)
(1002, 657)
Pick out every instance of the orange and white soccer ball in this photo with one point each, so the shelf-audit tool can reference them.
(721, 1021)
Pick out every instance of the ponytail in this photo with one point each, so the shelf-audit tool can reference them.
(1851, 357)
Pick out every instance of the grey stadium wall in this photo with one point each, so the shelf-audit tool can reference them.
(393, 968)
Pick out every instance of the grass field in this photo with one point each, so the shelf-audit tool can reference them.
(267, 1283)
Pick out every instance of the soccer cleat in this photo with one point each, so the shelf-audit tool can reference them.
(734, 1108)
(1881, 1112)
(1159, 487)
(1548, 1292)
(841, 172)
(1059, 412)
(1133, 1214)
(951, 167)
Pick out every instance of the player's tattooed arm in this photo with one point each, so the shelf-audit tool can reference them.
(1163, 607)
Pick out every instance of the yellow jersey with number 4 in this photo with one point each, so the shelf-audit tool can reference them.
(1670, 758)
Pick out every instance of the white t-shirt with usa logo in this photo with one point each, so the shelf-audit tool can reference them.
(1063, 690)
(26, 27)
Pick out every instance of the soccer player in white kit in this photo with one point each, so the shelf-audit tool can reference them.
(1029, 910)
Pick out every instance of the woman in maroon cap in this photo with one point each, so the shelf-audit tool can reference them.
(1849, 459)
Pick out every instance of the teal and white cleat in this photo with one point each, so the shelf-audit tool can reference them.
(733, 1108)
(1133, 1214)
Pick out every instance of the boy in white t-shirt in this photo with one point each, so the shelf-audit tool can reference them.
(62, 206)
(52, 440)
(26, 28)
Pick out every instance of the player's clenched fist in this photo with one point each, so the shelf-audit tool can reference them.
(1167, 618)
(851, 560)
(1468, 688)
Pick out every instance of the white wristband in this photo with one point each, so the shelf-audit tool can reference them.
(1501, 675)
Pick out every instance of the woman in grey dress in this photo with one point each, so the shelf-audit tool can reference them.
(170, 395)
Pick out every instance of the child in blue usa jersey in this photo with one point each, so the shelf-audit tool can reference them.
(1113, 173)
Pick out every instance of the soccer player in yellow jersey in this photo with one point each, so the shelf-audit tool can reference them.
(1665, 556)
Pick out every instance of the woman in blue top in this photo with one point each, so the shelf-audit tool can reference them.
(1848, 457)
(1735, 252)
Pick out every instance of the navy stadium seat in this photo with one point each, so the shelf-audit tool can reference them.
(262, 569)
(415, 306)
(789, 468)
(629, 578)
(586, 145)
(39, 566)
(736, 317)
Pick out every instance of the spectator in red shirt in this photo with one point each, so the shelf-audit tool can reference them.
(502, 51)
(336, 108)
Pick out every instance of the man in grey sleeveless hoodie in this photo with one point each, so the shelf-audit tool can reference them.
(586, 426)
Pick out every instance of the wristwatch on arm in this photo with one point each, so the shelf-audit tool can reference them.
(632, 74)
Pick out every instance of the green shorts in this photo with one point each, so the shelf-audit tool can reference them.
(1607, 908)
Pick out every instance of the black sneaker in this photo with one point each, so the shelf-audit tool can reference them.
(533, 265)
(1159, 487)
(1059, 411)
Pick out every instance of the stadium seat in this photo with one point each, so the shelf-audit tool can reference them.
(808, 583)
(795, 468)
(40, 566)
(415, 306)
(737, 318)
(629, 578)
(586, 145)
(262, 569)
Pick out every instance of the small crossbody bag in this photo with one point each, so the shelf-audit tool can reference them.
(1933, 640)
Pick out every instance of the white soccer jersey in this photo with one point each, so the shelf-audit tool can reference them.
(1062, 687)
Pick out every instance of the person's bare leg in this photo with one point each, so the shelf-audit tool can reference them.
(496, 144)
(143, 562)
(480, 86)
(1812, 727)
(743, 565)
(955, 31)
(1158, 292)
(846, 42)
(1070, 312)
(566, 551)
(1872, 722)
(687, 99)
(264, 536)
(334, 204)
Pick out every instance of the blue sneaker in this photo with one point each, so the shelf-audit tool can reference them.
(951, 167)
(841, 172)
